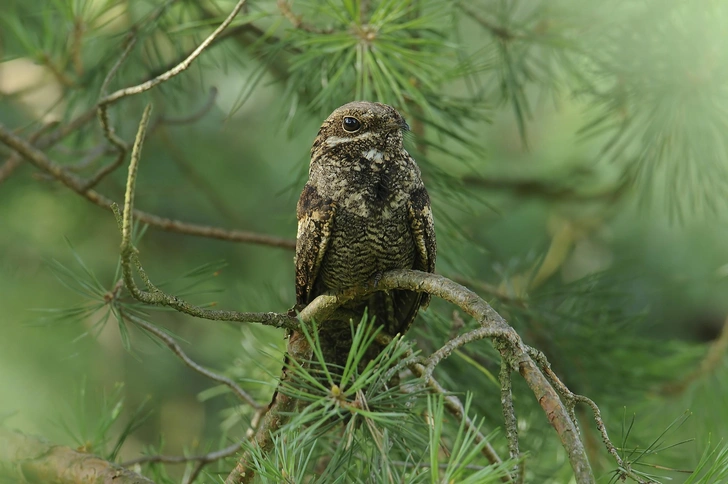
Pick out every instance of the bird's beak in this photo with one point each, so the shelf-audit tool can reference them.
(399, 124)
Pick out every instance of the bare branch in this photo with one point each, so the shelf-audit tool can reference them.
(153, 295)
(477, 334)
(14, 160)
(192, 118)
(177, 350)
(121, 146)
(571, 399)
(32, 460)
(39, 159)
(201, 459)
(182, 66)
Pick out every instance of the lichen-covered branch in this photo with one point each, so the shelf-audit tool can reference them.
(571, 400)
(154, 295)
(31, 460)
(509, 342)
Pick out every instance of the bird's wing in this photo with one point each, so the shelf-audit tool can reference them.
(405, 304)
(422, 227)
(315, 220)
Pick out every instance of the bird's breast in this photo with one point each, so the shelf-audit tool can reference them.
(362, 246)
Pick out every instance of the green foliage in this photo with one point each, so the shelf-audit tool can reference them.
(606, 117)
(390, 433)
(98, 426)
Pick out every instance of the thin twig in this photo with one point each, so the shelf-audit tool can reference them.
(447, 349)
(14, 160)
(39, 159)
(177, 350)
(183, 459)
(109, 132)
(89, 158)
(189, 119)
(571, 400)
(153, 295)
(181, 67)
(201, 459)
(197, 178)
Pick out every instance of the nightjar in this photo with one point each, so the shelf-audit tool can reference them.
(363, 211)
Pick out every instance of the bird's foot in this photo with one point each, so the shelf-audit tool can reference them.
(374, 281)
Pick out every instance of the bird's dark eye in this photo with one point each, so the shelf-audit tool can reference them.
(351, 125)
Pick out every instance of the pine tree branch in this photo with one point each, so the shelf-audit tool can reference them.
(457, 409)
(179, 68)
(76, 183)
(13, 161)
(509, 413)
(571, 400)
(189, 362)
(153, 295)
(109, 132)
(279, 413)
(201, 459)
(510, 344)
(34, 461)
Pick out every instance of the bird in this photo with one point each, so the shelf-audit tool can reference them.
(363, 211)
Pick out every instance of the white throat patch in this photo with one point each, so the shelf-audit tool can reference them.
(373, 155)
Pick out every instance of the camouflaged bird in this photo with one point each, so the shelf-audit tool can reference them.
(364, 211)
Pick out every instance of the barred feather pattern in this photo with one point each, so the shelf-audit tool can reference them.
(363, 211)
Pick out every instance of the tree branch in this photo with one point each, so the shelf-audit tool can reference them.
(121, 146)
(181, 67)
(510, 344)
(32, 460)
(129, 256)
(177, 350)
(40, 160)
(457, 409)
(281, 409)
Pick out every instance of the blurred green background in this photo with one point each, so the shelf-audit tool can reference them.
(579, 186)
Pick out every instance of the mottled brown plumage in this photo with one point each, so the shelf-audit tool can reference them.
(364, 211)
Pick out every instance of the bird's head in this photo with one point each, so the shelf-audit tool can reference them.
(360, 126)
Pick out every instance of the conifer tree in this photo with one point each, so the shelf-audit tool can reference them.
(576, 154)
